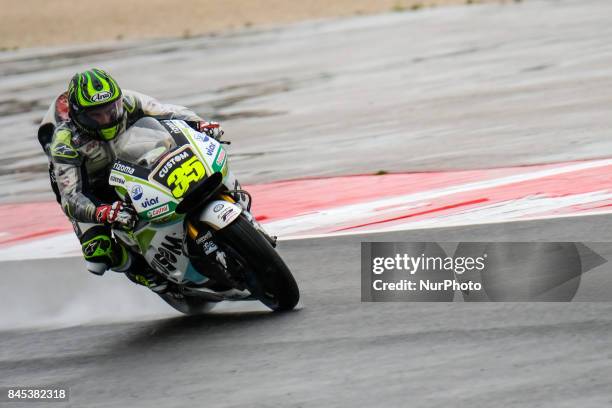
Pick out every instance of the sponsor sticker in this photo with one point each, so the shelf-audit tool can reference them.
(123, 168)
(150, 202)
(209, 247)
(155, 212)
(207, 243)
(180, 172)
(203, 238)
(226, 214)
(220, 157)
(167, 253)
(173, 128)
(202, 138)
(174, 162)
(136, 192)
(218, 207)
(116, 180)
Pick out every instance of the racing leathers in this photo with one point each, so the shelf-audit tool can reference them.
(79, 167)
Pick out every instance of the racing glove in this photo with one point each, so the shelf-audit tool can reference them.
(212, 129)
(117, 213)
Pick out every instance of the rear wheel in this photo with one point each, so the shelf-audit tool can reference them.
(267, 276)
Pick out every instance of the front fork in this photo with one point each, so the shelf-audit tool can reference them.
(237, 195)
(212, 258)
(244, 199)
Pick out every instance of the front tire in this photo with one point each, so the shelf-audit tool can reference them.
(270, 279)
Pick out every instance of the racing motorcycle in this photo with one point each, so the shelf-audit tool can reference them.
(192, 226)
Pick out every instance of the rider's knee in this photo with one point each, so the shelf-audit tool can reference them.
(101, 251)
(99, 268)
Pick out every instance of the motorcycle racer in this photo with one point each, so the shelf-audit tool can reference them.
(78, 134)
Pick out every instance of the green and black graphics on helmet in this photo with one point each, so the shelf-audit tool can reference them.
(96, 104)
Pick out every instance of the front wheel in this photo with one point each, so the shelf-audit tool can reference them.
(267, 276)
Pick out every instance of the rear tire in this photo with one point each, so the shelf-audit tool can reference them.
(273, 283)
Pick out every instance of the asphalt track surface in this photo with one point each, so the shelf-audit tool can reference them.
(518, 76)
(337, 351)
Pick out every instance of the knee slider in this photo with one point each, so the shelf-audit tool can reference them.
(97, 268)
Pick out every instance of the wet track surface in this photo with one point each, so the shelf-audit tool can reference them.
(447, 88)
(457, 87)
(337, 351)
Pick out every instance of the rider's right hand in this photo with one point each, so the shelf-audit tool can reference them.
(116, 213)
(212, 129)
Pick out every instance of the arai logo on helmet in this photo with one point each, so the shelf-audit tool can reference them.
(136, 192)
(101, 96)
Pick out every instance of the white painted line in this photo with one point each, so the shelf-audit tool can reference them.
(363, 211)
(453, 225)
(58, 246)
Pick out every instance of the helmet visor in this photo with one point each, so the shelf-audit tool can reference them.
(101, 117)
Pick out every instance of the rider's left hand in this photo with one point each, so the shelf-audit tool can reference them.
(212, 129)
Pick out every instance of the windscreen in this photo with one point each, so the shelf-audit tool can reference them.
(143, 143)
